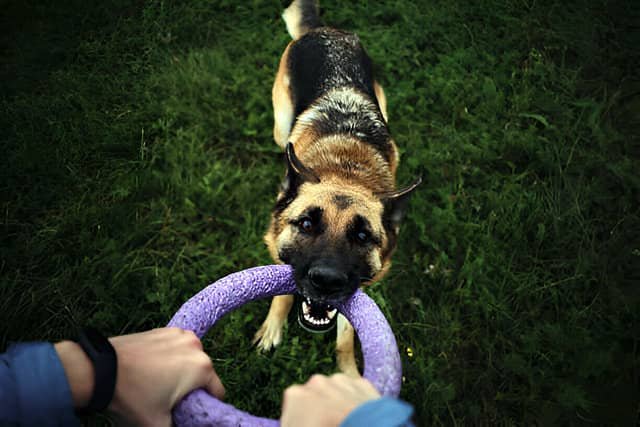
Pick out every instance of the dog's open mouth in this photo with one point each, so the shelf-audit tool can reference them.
(318, 317)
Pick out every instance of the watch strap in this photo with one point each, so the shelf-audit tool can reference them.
(105, 366)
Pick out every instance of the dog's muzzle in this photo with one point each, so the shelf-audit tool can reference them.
(322, 284)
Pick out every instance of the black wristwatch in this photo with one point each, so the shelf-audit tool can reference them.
(105, 365)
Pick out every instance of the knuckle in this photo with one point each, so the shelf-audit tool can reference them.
(204, 361)
(317, 379)
(193, 340)
(171, 330)
(189, 333)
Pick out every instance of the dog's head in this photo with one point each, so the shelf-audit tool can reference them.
(335, 236)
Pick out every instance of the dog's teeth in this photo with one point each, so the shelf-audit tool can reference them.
(332, 313)
(314, 320)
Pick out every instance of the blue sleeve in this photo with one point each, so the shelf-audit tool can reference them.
(33, 387)
(383, 412)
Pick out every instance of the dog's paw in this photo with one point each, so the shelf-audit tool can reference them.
(268, 336)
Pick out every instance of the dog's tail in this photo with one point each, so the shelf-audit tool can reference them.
(301, 16)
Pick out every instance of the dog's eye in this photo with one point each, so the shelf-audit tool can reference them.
(363, 236)
(306, 225)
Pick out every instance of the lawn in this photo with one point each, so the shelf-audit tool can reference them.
(138, 166)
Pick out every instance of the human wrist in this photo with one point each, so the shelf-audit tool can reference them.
(118, 406)
(78, 370)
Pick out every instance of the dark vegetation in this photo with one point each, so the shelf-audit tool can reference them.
(138, 166)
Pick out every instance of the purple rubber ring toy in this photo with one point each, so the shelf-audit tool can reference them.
(379, 348)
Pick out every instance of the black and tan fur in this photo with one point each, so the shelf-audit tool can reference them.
(331, 119)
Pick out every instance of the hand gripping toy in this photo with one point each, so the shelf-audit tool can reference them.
(379, 349)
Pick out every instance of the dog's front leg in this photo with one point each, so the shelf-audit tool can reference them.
(270, 333)
(344, 348)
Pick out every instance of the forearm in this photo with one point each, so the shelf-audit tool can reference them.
(33, 387)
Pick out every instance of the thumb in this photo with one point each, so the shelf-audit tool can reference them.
(214, 385)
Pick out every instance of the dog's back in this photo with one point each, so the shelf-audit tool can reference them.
(331, 81)
(326, 59)
(323, 58)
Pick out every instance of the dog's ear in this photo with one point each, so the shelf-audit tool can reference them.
(395, 204)
(297, 173)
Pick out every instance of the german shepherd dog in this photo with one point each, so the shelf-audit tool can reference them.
(337, 215)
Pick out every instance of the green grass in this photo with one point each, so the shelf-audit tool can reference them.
(138, 166)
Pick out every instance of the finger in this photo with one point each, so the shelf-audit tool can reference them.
(365, 388)
(214, 385)
(291, 393)
(207, 377)
(292, 398)
(357, 386)
(196, 371)
(342, 381)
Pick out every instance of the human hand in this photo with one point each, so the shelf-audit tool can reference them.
(156, 369)
(324, 401)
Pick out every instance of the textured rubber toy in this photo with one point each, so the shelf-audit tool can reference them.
(379, 349)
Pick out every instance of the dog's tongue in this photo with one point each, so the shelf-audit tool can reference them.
(316, 317)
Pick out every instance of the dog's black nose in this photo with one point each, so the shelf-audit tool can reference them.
(326, 278)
